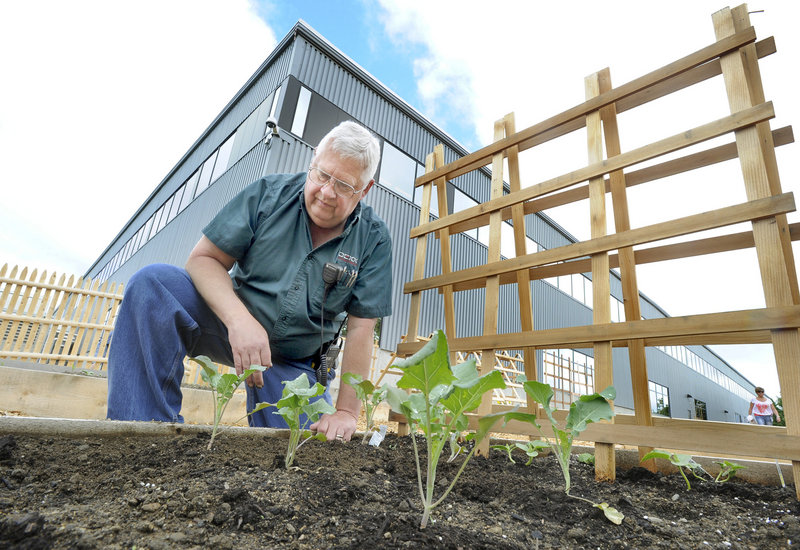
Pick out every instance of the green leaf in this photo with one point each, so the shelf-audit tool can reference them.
(463, 399)
(428, 368)
(260, 406)
(317, 408)
(209, 369)
(227, 384)
(301, 387)
(466, 374)
(542, 394)
(613, 515)
(588, 409)
(655, 454)
(522, 417)
(485, 424)
(395, 397)
(586, 458)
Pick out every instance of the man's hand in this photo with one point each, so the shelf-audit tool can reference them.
(208, 267)
(250, 346)
(339, 426)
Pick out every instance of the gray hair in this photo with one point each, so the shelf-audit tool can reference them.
(352, 141)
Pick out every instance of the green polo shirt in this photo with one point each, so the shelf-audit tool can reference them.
(278, 274)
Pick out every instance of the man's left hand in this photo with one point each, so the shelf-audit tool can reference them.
(339, 426)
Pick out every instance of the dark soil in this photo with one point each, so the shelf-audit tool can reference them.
(170, 492)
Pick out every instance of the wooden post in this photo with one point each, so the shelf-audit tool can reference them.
(775, 258)
(520, 249)
(627, 268)
(492, 296)
(605, 464)
(444, 247)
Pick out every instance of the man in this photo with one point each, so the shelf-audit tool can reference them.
(274, 238)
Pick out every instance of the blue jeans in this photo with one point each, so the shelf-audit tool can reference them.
(763, 420)
(162, 319)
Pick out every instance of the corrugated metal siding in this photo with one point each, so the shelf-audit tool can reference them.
(174, 242)
(263, 86)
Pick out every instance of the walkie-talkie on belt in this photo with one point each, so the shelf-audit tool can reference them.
(331, 274)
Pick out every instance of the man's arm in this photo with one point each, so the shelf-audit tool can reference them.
(208, 267)
(356, 358)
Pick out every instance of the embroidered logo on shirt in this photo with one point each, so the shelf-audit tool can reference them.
(347, 258)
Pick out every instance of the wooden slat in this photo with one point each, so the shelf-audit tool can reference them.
(419, 256)
(722, 217)
(605, 461)
(483, 156)
(773, 318)
(492, 294)
(708, 157)
(697, 436)
(446, 254)
(775, 258)
(737, 121)
(637, 358)
(520, 249)
(699, 247)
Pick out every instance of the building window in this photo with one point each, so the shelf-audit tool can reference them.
(205, 174)
(397, 171)
(188, 194)
(223, 155)
(700, 412)
(659, 399)
(301, 112)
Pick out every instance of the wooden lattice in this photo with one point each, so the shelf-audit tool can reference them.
(735, 56)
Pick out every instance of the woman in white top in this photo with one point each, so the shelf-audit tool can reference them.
(762, 409)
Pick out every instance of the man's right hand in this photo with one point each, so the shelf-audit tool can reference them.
(208, 267)
(250, 346)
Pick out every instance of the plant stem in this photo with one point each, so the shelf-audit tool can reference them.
(458, 474)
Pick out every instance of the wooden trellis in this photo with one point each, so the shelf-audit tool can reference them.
(735, 56)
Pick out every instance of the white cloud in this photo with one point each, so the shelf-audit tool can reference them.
(99, 100)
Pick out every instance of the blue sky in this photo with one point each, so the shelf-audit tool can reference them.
(101, 98)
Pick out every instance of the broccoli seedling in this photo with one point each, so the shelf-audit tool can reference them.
(684, 461)
(370, 398)
(296, 401)
(588, 409)
(586, 458)
(222, 388)
(530, 448)
(727, 470)
(438, 408)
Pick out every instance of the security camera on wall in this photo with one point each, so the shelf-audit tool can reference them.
(272, 127)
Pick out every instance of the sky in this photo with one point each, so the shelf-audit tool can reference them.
(99, 100)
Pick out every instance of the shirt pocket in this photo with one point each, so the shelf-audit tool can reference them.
(335, 301)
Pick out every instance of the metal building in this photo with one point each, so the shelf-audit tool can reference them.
(309, 86)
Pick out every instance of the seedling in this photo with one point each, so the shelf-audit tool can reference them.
(294, 402)
(685, 462)
(530, 448)
(443, 395)
(370, 397)
(588, 409)
(586, 458)
(222, 388)
(727, 470)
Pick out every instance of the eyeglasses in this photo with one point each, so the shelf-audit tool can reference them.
(760, 391)
(320, 177)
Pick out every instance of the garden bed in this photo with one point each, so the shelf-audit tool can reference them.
(168, 491)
